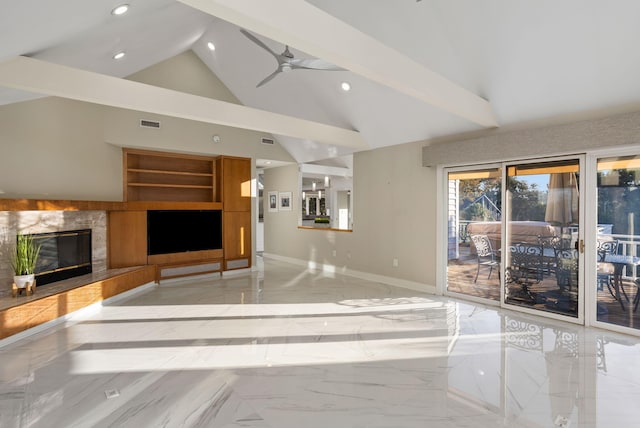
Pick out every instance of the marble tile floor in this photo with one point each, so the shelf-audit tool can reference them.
(287, 347)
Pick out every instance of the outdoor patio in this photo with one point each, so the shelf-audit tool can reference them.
(545, 295)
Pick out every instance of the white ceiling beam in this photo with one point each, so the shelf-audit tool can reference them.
(46, 78)
(301, 25)
(337, 171)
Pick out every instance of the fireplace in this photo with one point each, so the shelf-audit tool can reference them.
(63, 255)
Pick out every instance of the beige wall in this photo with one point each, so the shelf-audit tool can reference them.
(394, 217)
(186, 73)
(53, 148)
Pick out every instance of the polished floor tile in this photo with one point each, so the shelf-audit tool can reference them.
(286, 347)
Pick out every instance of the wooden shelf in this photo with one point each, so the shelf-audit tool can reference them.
(165, 172)
(163, 205)
(58, 205)
(66, 205)
(187, 256)
(159, 176)
(170, 186)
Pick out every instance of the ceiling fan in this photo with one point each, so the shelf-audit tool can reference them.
(286, 61)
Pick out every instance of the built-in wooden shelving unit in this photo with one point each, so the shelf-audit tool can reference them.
(159, 176)
(172, 181)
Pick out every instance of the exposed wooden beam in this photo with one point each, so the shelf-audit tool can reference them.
(46, 78)
(301, 25)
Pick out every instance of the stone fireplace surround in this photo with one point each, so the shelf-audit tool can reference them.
(27, 222)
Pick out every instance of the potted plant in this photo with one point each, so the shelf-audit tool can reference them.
(24, 262)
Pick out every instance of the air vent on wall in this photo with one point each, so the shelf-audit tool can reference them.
(267, 141)
(149, 124)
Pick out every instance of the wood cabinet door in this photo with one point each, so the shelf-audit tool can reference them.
(237, 235)
(127, 238)
(236, 184)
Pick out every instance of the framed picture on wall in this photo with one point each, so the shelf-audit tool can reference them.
(285, 201)
(273, 202)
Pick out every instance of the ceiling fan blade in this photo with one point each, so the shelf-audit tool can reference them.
(268, 78)
(259, 42)
(314, 64)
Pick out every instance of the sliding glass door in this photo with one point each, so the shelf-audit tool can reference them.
(617, 255)
(474, 217)
(516, 235)
(543, 242)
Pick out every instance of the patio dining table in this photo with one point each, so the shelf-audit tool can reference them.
(619, 261)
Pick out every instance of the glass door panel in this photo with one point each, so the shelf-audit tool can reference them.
(473, 232)
(542, 219)
(618, 241)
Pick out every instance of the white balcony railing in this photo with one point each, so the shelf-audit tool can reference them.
(628, 245)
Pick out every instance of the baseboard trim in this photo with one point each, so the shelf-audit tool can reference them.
(398, 282)
(191, 278)
(235, 272)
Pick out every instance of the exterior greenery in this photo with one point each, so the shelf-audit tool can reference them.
(26, 255)
(619, 204)
(479, 196)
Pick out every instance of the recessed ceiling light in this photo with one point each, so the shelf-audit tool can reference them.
(119, 55)
(345, 86)
(119, 10)
(211, 46)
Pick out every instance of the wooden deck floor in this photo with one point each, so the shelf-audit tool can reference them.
(545, 295)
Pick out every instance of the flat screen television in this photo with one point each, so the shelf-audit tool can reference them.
(176, 231)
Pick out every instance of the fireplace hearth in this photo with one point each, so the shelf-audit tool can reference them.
(63, 255)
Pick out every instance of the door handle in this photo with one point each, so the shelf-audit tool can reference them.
(582, 246)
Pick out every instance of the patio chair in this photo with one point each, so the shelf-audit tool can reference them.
(486, 255)
(567, 280)
(526, 267)
(567, 270)
(554, 244)
(605, 271)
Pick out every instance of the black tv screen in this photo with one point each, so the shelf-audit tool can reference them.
(170, 231)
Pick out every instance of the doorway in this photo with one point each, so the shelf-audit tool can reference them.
(474, 214)
(615, 206)
(543, 240)
(514, 235)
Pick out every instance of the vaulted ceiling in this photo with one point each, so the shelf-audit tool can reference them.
(418, 70)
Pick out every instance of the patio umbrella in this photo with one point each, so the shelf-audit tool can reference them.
(562, 199)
